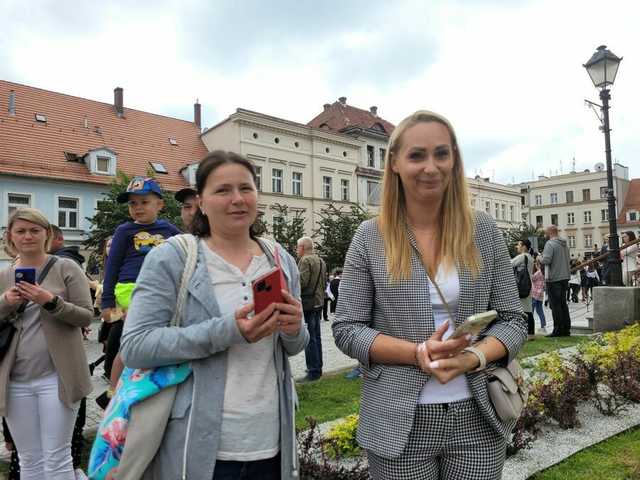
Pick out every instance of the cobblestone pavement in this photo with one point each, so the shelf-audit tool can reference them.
(333, 359)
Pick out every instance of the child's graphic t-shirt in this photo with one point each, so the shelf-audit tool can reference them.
(131, 242)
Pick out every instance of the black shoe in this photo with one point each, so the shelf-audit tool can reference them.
(103, 400)
(553, 335)
(308, 379)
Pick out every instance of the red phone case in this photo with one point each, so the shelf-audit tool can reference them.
(267, 289)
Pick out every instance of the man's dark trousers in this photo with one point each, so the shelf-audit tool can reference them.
(313, 351)
(557, 292)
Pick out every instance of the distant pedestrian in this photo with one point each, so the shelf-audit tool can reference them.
(629, 256)
(593, 280)
(334, 286)
(537, 294)
(524, 260)
(313, 271)
(555, 257)
(188, 199)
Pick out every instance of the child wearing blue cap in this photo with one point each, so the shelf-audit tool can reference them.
(130, 244)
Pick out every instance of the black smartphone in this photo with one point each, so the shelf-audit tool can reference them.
(26, 274)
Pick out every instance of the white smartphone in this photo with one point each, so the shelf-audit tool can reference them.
(474, 324)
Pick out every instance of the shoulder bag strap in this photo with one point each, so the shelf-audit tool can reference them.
(446, 305)
(189, 246)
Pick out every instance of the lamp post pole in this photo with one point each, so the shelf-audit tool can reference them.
(615, 268)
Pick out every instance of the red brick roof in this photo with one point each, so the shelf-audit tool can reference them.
(338, 116)
(631, 202)
(34, 149)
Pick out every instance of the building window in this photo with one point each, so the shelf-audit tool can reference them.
(373, 193)
(259, 178)
(588, 240)
(18, 200)
(296, 184)
(344, 189)
(554, 219)
(538, 199)
(383, 153)
(572, 241)
(632, 216)
(503, 211)
(68, 212)
(487, 208)
(553, 198)
(603, 192)
(276, 180)
(571, 218)
(539, 221)
(103, 165)
(586, 194)
(512, 216)
(496, 210)
(587, 216)
(569, 196)
(473, 203)
(604, 215)
(327, 188)
(371, 156)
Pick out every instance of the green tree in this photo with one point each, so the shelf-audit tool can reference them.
(109, 214)
(336, 228)
(287, 227)
(521, 231)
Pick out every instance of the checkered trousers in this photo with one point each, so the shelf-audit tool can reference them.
(447, 442)
(370, 304)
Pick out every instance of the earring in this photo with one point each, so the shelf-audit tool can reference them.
(202, 212)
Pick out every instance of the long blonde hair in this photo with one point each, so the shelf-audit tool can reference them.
(28, 215)
(457, 221)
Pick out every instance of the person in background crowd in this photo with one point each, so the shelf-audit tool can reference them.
(44, 374)
(334, 286)
(188, 199)
(328, 297)
(574, 280)
(603, 266)
(537, 294)
(313, 271)
(130, 244)
(235, 412)
(629, 257)
(555, 258)
(425, 411)
(593, 280)
(524, 257)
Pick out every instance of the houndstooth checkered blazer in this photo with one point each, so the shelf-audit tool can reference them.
(370, 304)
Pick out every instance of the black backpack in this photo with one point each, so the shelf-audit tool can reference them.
(523, 280)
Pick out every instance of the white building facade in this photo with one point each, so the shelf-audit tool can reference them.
(502, 202)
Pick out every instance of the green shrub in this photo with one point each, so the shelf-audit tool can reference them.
(341, 438)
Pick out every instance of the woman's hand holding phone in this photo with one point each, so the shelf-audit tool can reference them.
(258, 326)
(12, 297)
(289, 314)
(34, 293)
(435, 354)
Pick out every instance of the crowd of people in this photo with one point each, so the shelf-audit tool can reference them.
(411, 276)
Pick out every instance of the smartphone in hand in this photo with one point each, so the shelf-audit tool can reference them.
(267, 289)
(474, 324)
(25, 274)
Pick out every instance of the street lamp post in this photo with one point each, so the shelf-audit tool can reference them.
(602, 68)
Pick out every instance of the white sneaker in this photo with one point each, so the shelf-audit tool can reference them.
(80, 475)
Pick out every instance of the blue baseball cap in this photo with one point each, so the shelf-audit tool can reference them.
(140, 186)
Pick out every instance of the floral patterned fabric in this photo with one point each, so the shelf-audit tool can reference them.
(134, 386)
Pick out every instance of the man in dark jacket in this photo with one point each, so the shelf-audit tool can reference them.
(312, 285)
(59, 250)
(555, 258)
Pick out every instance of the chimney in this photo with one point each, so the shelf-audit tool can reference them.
(343, 100)
(326, 106)
(197, 114)
(374, 111)
(12, 103)
(118, 98)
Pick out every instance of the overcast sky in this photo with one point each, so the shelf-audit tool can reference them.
(508, 74)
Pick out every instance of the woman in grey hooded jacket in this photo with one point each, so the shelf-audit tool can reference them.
(236, 411)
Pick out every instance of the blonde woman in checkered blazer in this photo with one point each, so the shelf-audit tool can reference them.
(425, 412)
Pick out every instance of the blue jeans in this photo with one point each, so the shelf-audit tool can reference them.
(268, 469)
(539, 309)
(313, 351)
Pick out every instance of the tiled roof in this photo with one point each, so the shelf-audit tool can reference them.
(338, 116)
(631, 201)
(35, 149)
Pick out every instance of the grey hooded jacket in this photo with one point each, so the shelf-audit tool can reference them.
(191, 439)
(555, 257)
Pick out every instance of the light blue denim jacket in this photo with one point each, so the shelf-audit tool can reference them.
(191, 439)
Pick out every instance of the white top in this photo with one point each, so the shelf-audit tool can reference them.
(458, 388)
(250, 415)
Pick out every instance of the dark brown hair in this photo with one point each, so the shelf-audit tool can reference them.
(200, 225)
